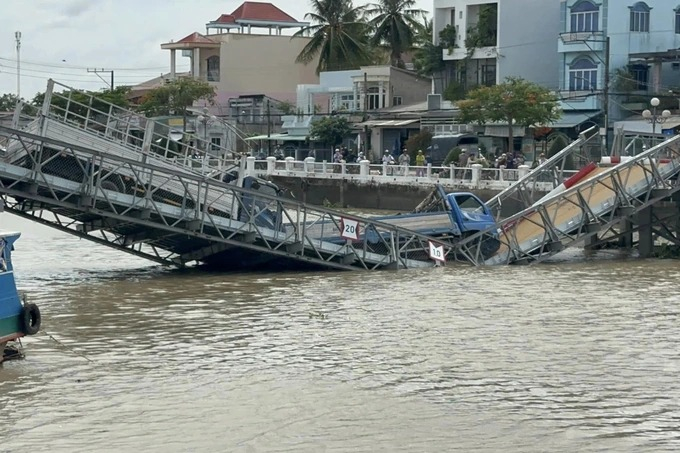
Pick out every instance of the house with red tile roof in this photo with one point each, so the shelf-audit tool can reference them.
(247, 52)
(254, 15)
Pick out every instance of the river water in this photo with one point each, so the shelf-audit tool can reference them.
(576, 355)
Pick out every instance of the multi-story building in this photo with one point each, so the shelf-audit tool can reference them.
(247, 53)
(367, 89)
(495, 40)
(612, 52)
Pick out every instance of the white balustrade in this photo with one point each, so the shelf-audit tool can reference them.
(471, 177)
(476, 174)
(290, 163)
(250, 166)
(364, 168)
(309, 165)
(523, 170)
(271, 164)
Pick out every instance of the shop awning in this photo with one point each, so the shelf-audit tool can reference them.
(387, 123)
(279, 137)
(572, 119)
(644, 127)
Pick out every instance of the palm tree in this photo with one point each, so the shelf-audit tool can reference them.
(339, 37)
(396, 24)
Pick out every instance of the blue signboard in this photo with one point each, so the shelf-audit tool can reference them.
(668, 131)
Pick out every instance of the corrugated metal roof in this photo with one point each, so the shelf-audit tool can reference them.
(279, 137)
(571, 119)
(387, 123)
(645, 127)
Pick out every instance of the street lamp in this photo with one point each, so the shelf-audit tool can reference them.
(653, 117)
(205, 120)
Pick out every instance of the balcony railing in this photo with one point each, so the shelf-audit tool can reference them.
(580, 36)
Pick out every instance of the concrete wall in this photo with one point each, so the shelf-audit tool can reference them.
(411, 87)
(527, 40)
(527, 36)
(353, 194)
(261, 64)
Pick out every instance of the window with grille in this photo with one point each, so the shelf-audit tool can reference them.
(215, 143)
(214, 69)
(583, 75)
(639, 17)
(585, 16)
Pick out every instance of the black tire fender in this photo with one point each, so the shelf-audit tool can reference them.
(30, 319)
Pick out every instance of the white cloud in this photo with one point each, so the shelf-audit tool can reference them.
(62, 38)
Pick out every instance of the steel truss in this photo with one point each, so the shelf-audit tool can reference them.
(134, 206)
(528, 189)
(593, 206)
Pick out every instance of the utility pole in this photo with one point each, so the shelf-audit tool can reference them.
(269, 129)
(365, 94)
(606, 96)
(17, 36)
(97, 71)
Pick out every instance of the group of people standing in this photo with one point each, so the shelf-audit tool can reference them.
(404, 161)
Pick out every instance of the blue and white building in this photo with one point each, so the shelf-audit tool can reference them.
(644, 41)
(521, 42)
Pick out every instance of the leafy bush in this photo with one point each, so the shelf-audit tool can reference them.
(452, 157)
(420, 141)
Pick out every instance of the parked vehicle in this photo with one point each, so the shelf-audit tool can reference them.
(443, 144)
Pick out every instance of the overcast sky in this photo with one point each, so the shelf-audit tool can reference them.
(61, 39)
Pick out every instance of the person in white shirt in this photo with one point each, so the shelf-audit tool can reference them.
(388, 160)
(404, 162)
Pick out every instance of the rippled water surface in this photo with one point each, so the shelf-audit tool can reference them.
(578, 355)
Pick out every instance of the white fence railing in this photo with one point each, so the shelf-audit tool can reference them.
(473, 177)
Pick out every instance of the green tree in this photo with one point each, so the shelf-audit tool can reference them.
(485, 33)
(174, 97)
(418, 142)
(8, 102)
(428, 57)
(447, 38)
(286, 107)
(623, 82)
(396, 24)
(339, 37)
(330, 130)
(78, 102)
(455, 91)
(514, 102)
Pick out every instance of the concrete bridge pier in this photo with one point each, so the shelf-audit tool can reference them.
(645, 232)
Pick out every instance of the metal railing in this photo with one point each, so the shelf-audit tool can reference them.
(473, 177)
(83, 189)
(591, 207)
(86, 113)
(547, 175)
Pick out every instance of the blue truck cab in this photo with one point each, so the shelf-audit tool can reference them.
(468, 213)
(448, 216)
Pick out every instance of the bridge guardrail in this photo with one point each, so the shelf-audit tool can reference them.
(473, 177)
(208, 210)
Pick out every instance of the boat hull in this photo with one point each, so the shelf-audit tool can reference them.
(17, 318)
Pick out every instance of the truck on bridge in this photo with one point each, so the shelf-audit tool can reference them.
(446, 216)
